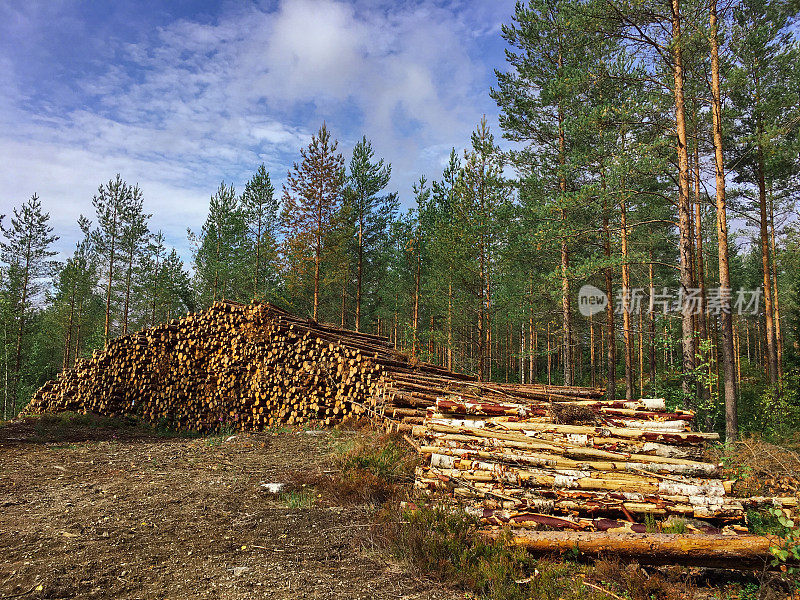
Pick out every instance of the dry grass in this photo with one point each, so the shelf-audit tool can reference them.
(444, 544)
(761, 468)
(370, 468)
(569, 414)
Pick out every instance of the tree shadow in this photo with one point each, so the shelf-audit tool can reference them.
(69, 427)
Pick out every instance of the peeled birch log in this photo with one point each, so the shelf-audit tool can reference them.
(571, 462)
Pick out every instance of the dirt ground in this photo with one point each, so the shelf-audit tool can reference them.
(113, 511)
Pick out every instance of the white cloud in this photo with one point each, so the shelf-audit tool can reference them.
(195, 103)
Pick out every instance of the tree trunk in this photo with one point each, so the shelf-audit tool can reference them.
(450, 325)
(651, 342)
(591, 353)
(78, 331)
(317, 258)
(155, 294)
(549, 357)
(778, 336)
(128, 277)
(641, 355)
(216, 265)
(611, 346)
(416, 297)
(565, 299)
(728, 357)
(743, 551)
(684, 209)
(107, 329)
(258, 255)
(344, 300)
(626, 301)
(360, 272)
(700, 274)
(68, 335)
(772, 356)
(21, 327)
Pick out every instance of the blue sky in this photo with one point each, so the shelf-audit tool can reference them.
(180, 95)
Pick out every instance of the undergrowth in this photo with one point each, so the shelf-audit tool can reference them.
(445, 544)
(370, 468)
(760, 468)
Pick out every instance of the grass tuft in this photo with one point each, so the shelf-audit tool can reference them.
(370, 468)
(299, 499)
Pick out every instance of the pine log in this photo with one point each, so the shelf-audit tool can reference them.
(741, 552)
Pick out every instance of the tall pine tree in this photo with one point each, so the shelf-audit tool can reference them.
(312, 198)
(25, 253)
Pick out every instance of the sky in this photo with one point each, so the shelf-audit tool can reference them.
(178, 96)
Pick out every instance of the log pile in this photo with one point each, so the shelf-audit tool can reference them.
(576, 462)
(248, 367)
(529, 457)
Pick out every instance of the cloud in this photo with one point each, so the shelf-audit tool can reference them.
(195, 101)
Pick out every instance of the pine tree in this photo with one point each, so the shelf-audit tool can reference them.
(659, 34)
(372, 213)
(764, 95)
(261, 212)
(178, 296)
(312, 198)
(728, 358)
(110, 204)
(480, 194)
(220, 250)
(25, 252)
(156, 253)
(74, 290)
(133, 242)
(415, 249)
(541, 100)
(445, 251)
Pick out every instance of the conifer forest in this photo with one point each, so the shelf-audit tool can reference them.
(633, 224)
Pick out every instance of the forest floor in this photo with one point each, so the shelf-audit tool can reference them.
(102, 509)
(92, 507)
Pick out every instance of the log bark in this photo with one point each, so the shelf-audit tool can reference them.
(724, 551)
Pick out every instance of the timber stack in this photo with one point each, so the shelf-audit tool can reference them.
(574, 462)
(248, 367)
(525, 457)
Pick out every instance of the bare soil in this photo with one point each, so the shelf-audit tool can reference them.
(104, 510)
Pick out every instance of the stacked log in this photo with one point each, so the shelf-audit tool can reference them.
(248, 367)
(613, 466)
(521, 456)
(255, 366)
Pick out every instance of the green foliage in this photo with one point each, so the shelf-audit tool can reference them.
(221, 251)
(651, 524)
(763, 522)
(787, 552)
(387, 457)
(676, 526)
(299, 499)
(370, 215)
(260, 209)
(311, 222)
(25, 252)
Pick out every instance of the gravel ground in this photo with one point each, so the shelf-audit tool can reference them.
(98, 510)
